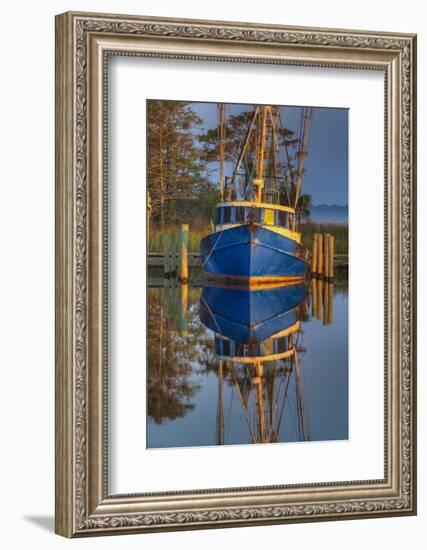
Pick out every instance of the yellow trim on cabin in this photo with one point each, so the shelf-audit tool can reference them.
(273, 357)
(285, 332)
(255, 204)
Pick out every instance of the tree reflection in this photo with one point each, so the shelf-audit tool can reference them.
(173, 359)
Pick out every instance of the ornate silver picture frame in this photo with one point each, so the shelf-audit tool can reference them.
(84, 42)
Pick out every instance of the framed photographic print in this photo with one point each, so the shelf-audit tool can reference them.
(235, 274)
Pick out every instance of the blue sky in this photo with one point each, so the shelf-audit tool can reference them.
(326, 166)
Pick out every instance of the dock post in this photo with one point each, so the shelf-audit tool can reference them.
(166, 262)
(319, 297)
(173, 269)
(331, 304)
(314, 256)
(326, 255)
(313, 297)
(183, 253)
(320, 256)
(182, 309)
(325, 303)
(331, 258)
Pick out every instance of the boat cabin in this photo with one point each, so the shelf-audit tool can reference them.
(270, 350)
(235, 213)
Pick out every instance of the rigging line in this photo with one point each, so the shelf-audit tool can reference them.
(211, 314)
(306, 115)
(243, 405)
(279, 163)
(287, 152)
(220, 407)
(299, 404)
(300, 400)
(245, 144)
(228, 416)
(249, 176)
(213, 248)
(292, 410)
(279, 423)
(274, 401)
(282, 381)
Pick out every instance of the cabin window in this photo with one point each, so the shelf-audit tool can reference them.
(239, 214)
(281, 345)
(282, 218)
(226, 347)
(218, 216)
(226, 214)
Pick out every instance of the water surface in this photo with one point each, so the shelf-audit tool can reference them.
(213, 381)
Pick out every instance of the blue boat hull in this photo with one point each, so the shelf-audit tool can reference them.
(250, 251)
(249, 316)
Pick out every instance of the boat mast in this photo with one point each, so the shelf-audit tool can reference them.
(259, 180)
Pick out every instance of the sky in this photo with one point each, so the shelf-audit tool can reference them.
(326, 165)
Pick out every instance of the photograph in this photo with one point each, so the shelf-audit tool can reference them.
(235, 271)
(247, 282)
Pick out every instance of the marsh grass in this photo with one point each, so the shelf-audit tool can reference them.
(155, 241)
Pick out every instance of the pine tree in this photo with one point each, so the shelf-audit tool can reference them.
(175, 167)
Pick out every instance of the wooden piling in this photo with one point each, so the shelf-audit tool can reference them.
(314, 256)
(326, 255)
(320, 256)
(313, 297)
(325, 303)
(319, 297)
(183, 253)
(182, 309)
(166, 256)
(331, 304)
(331, 258)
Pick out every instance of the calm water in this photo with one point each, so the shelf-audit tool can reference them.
(213, 380)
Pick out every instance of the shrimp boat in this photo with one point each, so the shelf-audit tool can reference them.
(257, 237)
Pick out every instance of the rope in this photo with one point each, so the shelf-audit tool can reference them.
(213, 248)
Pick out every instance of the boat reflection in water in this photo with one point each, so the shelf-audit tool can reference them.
(257, 335)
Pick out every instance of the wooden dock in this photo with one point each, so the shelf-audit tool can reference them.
(156, 259)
